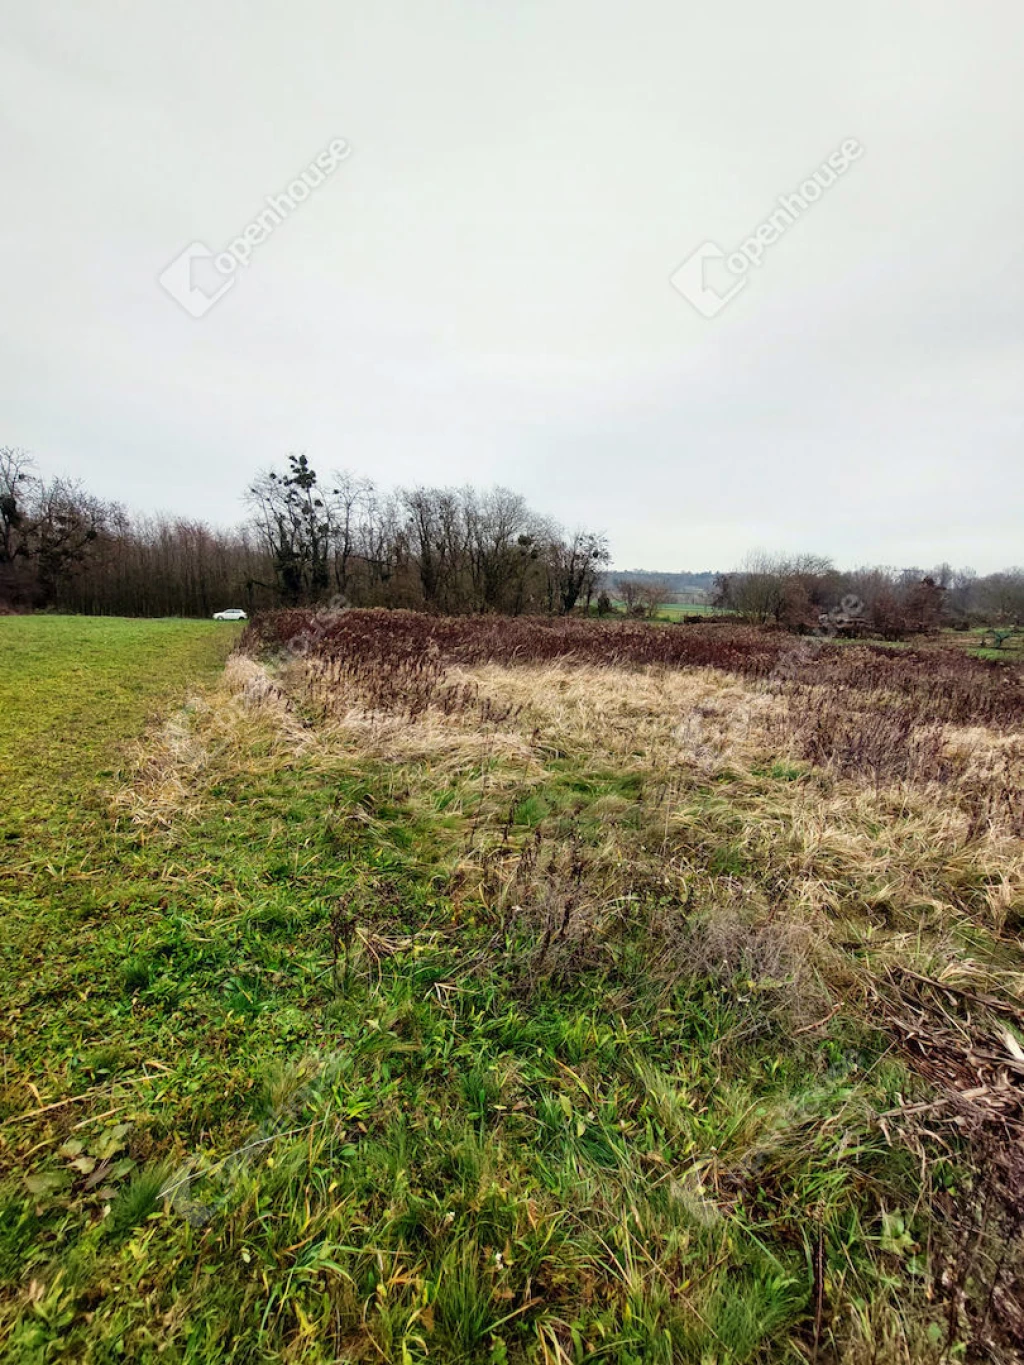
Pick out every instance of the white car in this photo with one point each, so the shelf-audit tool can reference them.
(232, 614)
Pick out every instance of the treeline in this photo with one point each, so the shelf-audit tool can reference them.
(307, 540)
(440, 549)
(310, 540)
(890, 603)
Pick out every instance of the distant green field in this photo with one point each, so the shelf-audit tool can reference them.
(675, 611)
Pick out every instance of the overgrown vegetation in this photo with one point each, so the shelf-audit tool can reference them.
(516, 991)
(947, 686)
(891, 604)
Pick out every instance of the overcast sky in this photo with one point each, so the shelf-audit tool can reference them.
(481, 290)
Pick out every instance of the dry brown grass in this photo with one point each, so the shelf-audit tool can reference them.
(882, 859)
(684, 816)
(817, 875)
(679, 729)
(900, 868)
(167, 773)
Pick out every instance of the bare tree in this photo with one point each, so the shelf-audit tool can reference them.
(776, 589)
(1002, 596)
(630, 593)
(68, 521)
(654, 593)
(294, 517)
(573, 566)
(351, 500)
(19, 487)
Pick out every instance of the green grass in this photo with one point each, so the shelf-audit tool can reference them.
(277, 1087)
(72, 688)
(676, 611)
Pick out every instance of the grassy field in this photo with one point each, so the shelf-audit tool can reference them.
(997, 644)
(676, 611)
(382, 1001)
(72, 688)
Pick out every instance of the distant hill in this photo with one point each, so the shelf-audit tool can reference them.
(684, 582)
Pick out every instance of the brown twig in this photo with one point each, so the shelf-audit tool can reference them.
(809, 1028)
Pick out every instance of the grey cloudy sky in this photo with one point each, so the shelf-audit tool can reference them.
(481, 290)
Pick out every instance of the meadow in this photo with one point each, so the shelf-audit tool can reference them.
(676, 611)
(467, 990)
